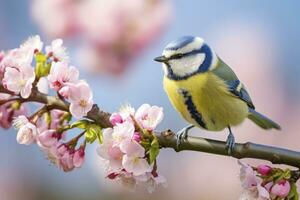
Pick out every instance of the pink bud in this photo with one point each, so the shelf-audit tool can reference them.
(115, 118)
(62, 149)
(78, 158)
(281, 189)
(137, 137)
(47, 138)
(264, 169)
(66, 161)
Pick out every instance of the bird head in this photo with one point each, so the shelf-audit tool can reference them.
(187, 56)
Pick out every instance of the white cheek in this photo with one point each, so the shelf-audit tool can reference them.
(214, 62)
(187, 65)
(165, 69)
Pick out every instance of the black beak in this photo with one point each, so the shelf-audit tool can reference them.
(161, 59)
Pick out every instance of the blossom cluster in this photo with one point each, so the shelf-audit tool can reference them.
(266, 183)
(29, 70)
(113, 32)
(18, 74)
(130, 148)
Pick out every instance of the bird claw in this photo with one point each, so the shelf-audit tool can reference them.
(230, 143)
(182, 135)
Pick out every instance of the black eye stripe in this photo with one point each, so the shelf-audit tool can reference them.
(177, 56)
(180, 55)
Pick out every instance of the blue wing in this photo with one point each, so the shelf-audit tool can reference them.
(235, 86)
(238, 89)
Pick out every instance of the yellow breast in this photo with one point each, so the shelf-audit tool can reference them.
(210, 97)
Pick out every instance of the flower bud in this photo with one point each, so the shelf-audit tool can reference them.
(264, 170)
(47, 138)
(137, 137)
(78, 158)
(27, 131)
(281, 189)
(26, 134)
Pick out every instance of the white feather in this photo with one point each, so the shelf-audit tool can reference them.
(187, 65)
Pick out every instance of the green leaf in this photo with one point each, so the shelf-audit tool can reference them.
(93, 132)
(67, 116)
(40, 58)
(41, 68)
(48, 118)
(146, 144)
(286, 174)
(82, 124)
(154, 150)
(293, 195)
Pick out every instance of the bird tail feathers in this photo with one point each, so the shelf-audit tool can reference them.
(262, 120)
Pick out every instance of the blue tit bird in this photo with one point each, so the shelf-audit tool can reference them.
(205, 90)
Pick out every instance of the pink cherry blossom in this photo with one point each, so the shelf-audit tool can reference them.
(247, 176)
(48, 138)
(127, 180)
(112, 154)
(281, 189)
(115, 118)
(79, 157)
(81, 99)
(65, 91)
(264, 169)
(27, 131)
(149, 116)
(20, 57)
(19, 80)
(61, 74)
(152, 181)
(252, 184)
(58, 51)
(133, 160)
(42, 85)
(63, 157)
(126, 112)
(123, 132)
(32, 44)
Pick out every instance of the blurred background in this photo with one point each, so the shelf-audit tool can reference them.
(113, 42)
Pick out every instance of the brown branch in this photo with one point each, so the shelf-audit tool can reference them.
(167, 139)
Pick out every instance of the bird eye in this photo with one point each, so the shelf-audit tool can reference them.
(180, 55)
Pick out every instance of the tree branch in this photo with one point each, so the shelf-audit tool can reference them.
(167, 139)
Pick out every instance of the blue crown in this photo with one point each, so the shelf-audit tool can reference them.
(180, 42)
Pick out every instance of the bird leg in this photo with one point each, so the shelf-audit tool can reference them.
(230, 142)
(183, 133)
